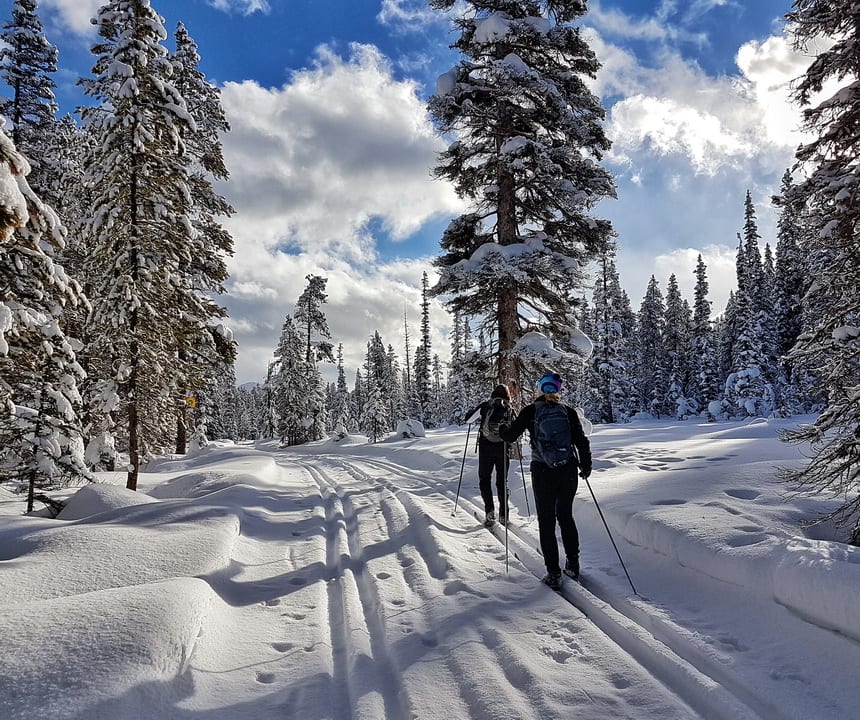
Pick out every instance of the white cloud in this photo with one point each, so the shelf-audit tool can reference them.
(657, 28)
(246, 7)
(74, 15)
(664, 127)
(676, 108)
(311, 164)
(637, 265)
(413, 16)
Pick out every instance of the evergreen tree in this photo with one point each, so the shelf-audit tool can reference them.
(358, 399)
(206, 350)
(40, 434)
(312, 320)
(288, 386)
(651, 376)
(831, 346)
(791, 281)
(610, 363)
(27, 62)
(704, 373)
(529, 142)
(141, 228)
(455, 392)
(340, 413)
(423, 359)
(375, 418)
(676, 339)
(747, 389)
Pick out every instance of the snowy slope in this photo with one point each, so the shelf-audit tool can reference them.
(336, 581)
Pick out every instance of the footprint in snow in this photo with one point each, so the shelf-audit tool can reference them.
(266, 678)
(282, 647)
(742, 493)
(670, 501)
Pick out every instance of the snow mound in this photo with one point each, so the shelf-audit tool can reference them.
(410, 428)
(118, 548)
(100, 497)
(199, 484)
(128, 654)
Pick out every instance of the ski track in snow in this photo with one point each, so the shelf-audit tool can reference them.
(665, 650)
(346, 578)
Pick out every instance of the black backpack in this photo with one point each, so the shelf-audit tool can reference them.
(553, 439)
(499, 412)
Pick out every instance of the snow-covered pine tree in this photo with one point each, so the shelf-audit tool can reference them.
(222, 403)
(27, 63)
(340, 412)
(455, 391)
(791, 281)
(141, 231)
(831, 347)
(289, 391)
(582, 387)
(375, 419)
(747, 389)
(610, 363)
(357, 400)
(206, 347)
(528, 142)
(393, 388)
(651, 360)
(40, 434)
(423, 359)
(676, 339)
(311, 321)
(704, 372)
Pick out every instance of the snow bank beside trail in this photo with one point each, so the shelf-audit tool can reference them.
(125, 547)
(200, 484)
(109, 653)
(214, 453)
(817, 579)
(100, 497)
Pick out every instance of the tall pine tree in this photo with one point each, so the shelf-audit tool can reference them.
(40, 434)
(141, 231)
(529, 140)
(831, 347)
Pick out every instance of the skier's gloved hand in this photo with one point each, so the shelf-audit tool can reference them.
(584, 474)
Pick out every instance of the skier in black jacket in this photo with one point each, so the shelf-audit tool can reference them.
(492, 452)
(554, 430)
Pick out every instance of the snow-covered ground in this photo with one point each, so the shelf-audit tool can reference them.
(336, 581)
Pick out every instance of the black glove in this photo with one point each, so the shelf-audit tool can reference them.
(584, 474)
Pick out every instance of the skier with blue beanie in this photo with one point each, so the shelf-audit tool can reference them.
(560, 448)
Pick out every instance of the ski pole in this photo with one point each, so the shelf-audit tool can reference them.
(523, 473)
(610, 535)
(462, 465)
(507, 507)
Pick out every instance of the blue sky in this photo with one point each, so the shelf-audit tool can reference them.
(331, 149)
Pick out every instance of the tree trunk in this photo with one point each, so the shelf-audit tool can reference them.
(182, 430)
(133, 455)
(507, 234)
(133, 420)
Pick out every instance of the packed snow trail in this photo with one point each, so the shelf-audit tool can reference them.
(334, 581)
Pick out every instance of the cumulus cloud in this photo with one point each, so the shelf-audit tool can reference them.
(245, 7)
(412, 15)
(655, 28)
(687, 145)
(316, 167)
(712, 121)
(73, 15)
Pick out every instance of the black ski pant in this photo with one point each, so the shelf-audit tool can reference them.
(554, 489)
(493, 456)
